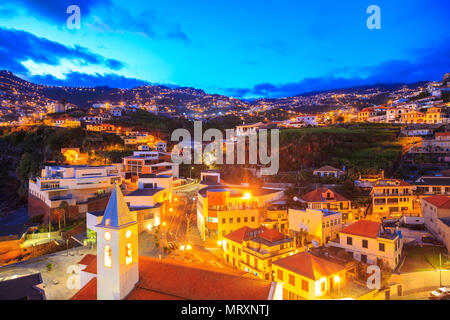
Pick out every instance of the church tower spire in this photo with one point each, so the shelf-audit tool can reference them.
(117, 250)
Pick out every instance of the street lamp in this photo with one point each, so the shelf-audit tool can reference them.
(337, 280)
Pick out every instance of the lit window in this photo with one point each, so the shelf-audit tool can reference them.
(107, 236)
(128, 255)
(128, 234)
(107, 257)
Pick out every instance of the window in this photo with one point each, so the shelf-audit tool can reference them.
(224, 220)
(128, 254)
(107, 256)
(231, 220)
(280, 275)
(253, 219)
(381, 247)
(305, 285)
(234, 249)
(245, 219)
(292, 280)
(349, 241)
(238, 220)
(365, 244)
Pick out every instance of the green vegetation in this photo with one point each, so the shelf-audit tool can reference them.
(150, 122)
(424, 258)
(360, 148)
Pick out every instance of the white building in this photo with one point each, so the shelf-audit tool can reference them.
(75, 185)
(436, 214)
(367, 241)
(321, 225)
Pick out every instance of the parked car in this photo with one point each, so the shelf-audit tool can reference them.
(431, 240)
(440, 294)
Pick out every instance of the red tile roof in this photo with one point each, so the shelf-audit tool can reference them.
(309, 265)
(87, 259)
(440, 201)
(363, 228)
(317, 196)
(164, 279)
(88, 292)
(271, 235)
(244, 234)
(442, 134)
(240, 234)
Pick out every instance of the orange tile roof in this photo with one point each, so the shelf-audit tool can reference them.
(92, 266)
(240, 234)
(316, 196)
(440, 201)
(87, 259)
(363, 228)
(164, 279)
(88, 292)
(309, 265)
(443, 134)
(271, 235)
(388, 183)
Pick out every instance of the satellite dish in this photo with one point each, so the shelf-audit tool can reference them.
(295, 199)
(315, 243)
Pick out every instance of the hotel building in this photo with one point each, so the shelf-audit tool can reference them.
(83, 188)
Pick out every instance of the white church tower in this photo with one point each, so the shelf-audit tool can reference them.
(117, 250)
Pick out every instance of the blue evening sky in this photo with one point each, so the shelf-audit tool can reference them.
(244, 48)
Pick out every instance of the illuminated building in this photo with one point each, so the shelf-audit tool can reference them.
(81, 187)
(150, 162)
(436, 213)
(393, 198)
(305, 276)
(255, 249)
(221, 209)
(367, 241)
(118, 272)
(324, 198)
(320, 225)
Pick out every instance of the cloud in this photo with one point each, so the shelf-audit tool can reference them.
(97, 15)
(55, 10)
(87, 80)
(17, 46)
(430, 64)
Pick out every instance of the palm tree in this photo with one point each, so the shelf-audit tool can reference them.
(64, 206)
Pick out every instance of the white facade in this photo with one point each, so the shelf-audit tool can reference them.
(117, 250)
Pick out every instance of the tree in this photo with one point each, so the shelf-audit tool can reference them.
(63, 206)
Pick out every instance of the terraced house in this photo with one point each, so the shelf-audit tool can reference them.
(255, 249)
(324, 198)
(368, 242)
(393, 198)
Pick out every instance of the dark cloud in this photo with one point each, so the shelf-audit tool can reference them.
(105, 16)
(86, 80)
(17, 46)
(55, 10)
(429, 64)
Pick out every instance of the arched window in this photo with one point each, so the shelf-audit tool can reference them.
(128, 254)
(107, 256)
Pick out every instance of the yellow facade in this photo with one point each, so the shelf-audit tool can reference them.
(256, 257)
